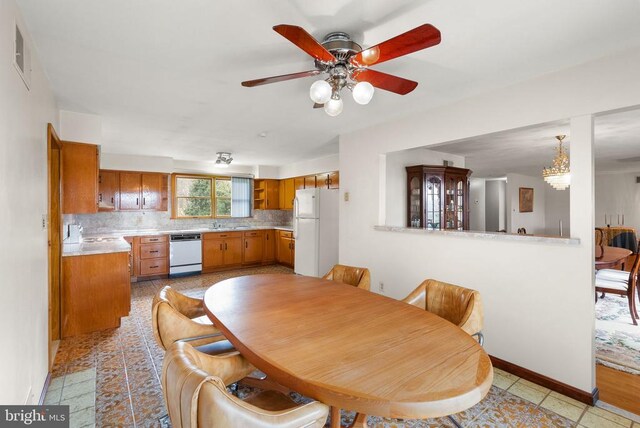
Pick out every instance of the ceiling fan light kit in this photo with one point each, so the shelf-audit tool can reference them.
(347, 64)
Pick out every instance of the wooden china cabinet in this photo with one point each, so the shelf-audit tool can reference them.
(438, 197)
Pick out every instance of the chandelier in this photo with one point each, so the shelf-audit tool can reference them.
(327, 91)
(224, 159)
(559, 175)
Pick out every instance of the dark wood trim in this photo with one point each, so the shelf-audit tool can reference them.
(45, 388)
(589, 398)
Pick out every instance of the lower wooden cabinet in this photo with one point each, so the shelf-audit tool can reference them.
(285, 248)
(253, 248)
(150, 256)
(96, 292)
(269, 253)
(221, 250)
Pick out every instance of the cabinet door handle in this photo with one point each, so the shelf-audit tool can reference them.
(99, 197)
(137, 201)
(154, 267)
(154, 251)
(144, 201)
(111, 200)
(267, 237)
(225, 246)
(153, 239)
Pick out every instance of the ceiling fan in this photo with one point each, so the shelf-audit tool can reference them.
(347, 64)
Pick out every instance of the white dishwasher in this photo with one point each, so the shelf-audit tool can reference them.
(185, 254)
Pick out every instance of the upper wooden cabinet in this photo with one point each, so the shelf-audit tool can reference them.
(287, 193)
(266, 194)
(79, 178)
(133, 191)
(438, 197)
(329, 180)
(108, 190)
(310, 182)
(298, 183)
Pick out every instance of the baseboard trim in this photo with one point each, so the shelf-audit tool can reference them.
(554, 385)
(45, 388)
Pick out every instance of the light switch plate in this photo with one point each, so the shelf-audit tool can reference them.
(346, 196)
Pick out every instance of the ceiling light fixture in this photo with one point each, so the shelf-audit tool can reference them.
(224, 159)
(327, 92)
(559, 175)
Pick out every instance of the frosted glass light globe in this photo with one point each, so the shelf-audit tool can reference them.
(333, 107)
(320, 92)
(363, 92)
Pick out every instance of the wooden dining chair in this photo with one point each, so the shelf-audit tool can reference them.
(622, 283)
(195, 392)
(599, 236)
(356, 276)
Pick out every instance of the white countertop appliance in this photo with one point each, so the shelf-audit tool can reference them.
(185, 254)
(315, 230)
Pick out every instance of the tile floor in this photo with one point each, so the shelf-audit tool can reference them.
(112, 378)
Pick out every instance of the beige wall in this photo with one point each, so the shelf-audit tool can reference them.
(538, 297)
(23, 197)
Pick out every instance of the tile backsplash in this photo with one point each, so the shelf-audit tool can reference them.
(115, 221)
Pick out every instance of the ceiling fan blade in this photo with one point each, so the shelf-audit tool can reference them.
(316, 105)
(419, 38)
(299, 37)
(282, 78)
(385, 81)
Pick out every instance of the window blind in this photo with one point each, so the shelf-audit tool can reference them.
(240, 197)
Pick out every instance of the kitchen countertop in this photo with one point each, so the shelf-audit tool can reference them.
(115, 243)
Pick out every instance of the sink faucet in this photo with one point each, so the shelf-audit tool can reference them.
(216, 225)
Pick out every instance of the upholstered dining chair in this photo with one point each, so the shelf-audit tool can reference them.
(459, 305)
(622, 283)
(179, 317)
(194, 386)
(356, 276)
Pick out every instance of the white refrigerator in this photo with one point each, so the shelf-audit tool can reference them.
(315, 230)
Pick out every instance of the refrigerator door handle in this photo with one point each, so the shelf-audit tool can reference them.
(295, 218)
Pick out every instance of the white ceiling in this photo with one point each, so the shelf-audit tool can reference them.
(528, 150)
(165, 75)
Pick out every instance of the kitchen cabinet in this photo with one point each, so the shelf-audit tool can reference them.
(266, 194)
(329, 180)
(129, 191)
(269, 253)
(310, 182)
(334, 180)
(107, 190)
(221, 250)
(287, 193)
(153, 255)
(298, 183)
(79, 176)
(285, 248)
(96, 292)
(132, 258)
(143, 191)
(253, 248)
(438, 197)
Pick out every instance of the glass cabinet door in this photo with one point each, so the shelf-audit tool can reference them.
(460, 205)
(415, 201)
(433, 199)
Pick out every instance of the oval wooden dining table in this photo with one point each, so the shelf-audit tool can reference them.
(610, 257)
(350, 348)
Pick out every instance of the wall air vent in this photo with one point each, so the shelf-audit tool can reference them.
(22, 56)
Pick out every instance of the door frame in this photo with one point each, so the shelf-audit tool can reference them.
(54, 234)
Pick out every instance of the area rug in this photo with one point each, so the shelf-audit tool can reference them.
(617, 339)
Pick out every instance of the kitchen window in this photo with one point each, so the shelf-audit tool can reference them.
(201, 196)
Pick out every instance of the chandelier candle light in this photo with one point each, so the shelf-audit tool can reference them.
(559, 175)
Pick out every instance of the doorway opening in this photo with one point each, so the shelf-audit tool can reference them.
(54, 216)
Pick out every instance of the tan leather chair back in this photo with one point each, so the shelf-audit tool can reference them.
(196, 396)
(171, 316)
(459, 305)
(356, 276)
